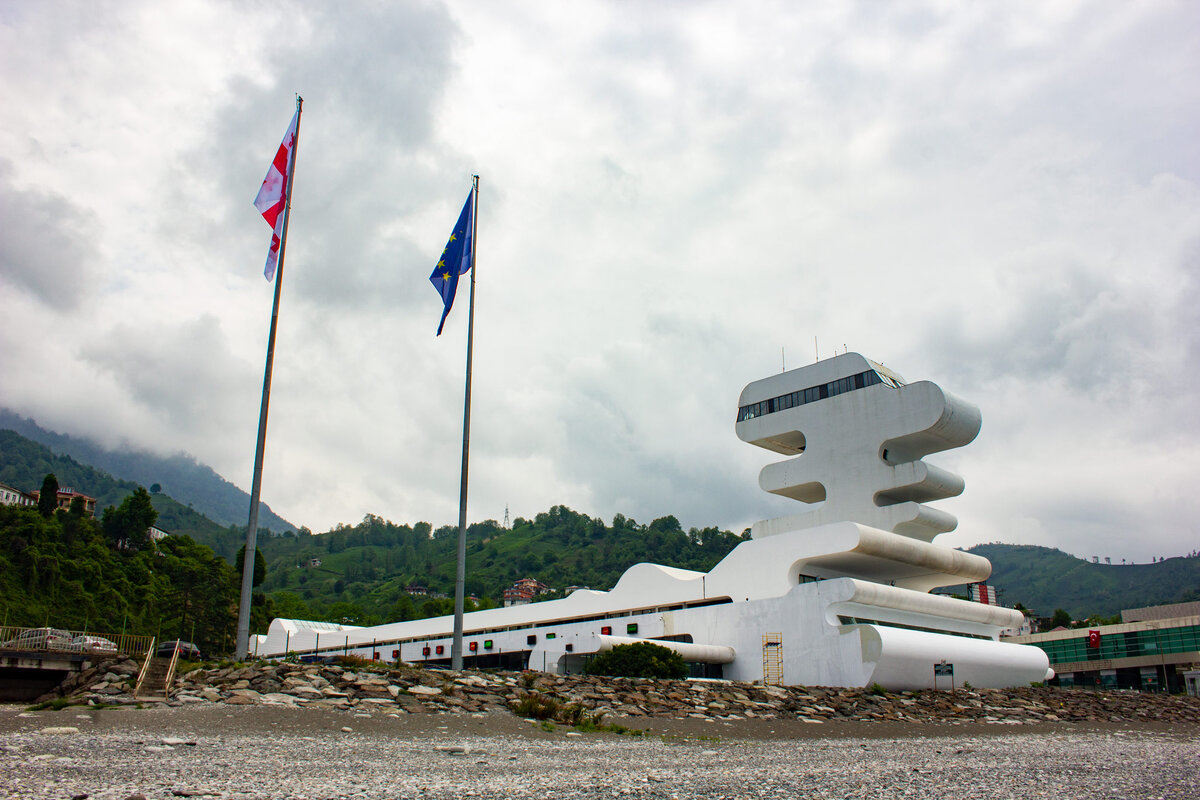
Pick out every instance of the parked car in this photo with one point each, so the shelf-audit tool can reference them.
(186, 650)
(40, 639)
(87, 643)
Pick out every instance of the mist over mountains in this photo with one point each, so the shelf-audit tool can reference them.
(180, 476)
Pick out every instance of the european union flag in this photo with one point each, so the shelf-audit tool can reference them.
(456, 258)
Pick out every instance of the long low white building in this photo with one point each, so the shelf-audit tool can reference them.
(811, 599)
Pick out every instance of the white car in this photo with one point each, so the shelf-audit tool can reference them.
(86, 643)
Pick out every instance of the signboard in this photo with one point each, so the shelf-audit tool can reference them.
(943, 670)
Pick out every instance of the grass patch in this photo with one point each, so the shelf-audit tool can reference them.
(57, 704)
(621, 730)
(355, 662)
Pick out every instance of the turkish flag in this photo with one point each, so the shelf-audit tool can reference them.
(1093, 638)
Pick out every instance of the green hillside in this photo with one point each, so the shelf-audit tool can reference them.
(180, 476)
(24, 463)
(365, 569)
(1044, 579)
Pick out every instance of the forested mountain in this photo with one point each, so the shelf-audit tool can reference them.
(180, 476)
(1044, 579)
(24, 463)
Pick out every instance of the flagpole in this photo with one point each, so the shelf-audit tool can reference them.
(456, 654)
(243, 629)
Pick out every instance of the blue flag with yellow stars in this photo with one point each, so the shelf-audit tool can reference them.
(455, 260)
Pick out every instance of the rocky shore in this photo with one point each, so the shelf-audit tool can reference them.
(361, 731)
(369, 686)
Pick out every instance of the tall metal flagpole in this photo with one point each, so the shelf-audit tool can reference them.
(456, 654)
(243, 629)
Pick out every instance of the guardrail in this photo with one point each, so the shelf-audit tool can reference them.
(59, 640)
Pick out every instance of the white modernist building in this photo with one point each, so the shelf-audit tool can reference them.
(837, 595)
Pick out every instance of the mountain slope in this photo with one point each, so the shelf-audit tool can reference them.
(24, 463)
(180, 476)
(1043, 579)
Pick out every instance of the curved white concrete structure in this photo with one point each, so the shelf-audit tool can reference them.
(836, 595)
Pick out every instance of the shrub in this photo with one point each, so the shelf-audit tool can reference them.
(536, 706)
(355, 662)
(876, 689)
(639, 660)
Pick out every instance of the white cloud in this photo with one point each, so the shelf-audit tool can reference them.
(1001, 199)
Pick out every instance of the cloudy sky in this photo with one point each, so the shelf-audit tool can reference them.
(676, 198)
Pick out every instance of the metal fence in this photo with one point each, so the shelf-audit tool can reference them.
(58, 640)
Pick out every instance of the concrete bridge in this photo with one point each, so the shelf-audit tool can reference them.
(35, 660)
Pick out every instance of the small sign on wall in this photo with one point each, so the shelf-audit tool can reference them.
(943, 669)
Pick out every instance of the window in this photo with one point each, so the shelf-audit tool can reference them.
(813, 393)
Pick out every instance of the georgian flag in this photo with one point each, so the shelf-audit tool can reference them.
(272, 197)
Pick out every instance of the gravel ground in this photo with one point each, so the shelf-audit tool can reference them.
(258, 752)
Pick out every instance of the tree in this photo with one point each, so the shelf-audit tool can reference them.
(1061, 619)
(346, 613)
(639, 660)
(199, 603)
(128, 525)
(48, 497)
(290, 605)
(403, 609)
(155, 488)
(260, 565)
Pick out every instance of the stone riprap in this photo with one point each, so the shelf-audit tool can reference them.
(410, 690)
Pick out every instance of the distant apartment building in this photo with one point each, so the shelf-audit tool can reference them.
(66, 496)
(523, 591)
(14, 497)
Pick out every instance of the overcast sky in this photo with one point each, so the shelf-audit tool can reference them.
(675, 198)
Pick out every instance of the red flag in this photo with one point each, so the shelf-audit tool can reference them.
(272, 197)
(1093, 638)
